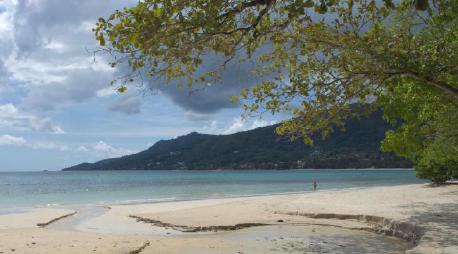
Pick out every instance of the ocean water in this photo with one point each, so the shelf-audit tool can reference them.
(40, 189)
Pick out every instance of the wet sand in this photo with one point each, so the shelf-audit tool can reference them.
(397, 219)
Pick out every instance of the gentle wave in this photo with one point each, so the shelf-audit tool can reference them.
(140, 201)
(132, 187)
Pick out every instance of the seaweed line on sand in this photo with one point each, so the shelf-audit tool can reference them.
(194, 229)
(42, 225)
(139, 250)
(380, 225)
(404, 230)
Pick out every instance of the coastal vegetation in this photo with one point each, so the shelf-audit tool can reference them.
(314, 59)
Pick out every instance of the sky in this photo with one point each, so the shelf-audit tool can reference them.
(57, 108)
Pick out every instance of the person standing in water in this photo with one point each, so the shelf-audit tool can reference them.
(314, 185)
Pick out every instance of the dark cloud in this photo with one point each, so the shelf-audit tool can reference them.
(202, 99)
(210, 98)
(51, 57)
(56, 33)
(4, 74)
(129, 104)
(3, 71)
(38, 22)
(79, 86)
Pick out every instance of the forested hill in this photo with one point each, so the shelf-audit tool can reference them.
(261, 148)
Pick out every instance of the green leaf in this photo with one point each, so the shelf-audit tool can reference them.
(309, 4)
(122, 89)
(422, 5)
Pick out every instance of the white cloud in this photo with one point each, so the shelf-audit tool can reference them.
(238, 124)
(196, 116)
(48, 146)
(11, 140)
(13, 118)
(82, 149)
(107, 151)
(261, 123)
(100, 149)
(6, 25)
(105, 92)
(54, 45)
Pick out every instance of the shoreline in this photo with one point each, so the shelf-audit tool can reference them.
(208, 170)
(174, 199)
(423, 215)
(24, 209)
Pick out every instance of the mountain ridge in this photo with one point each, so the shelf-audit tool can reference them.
(261, 148)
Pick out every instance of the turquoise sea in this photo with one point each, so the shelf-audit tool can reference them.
(37, 189)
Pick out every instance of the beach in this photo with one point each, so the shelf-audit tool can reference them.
(394, 219)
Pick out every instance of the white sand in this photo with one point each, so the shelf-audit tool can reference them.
(30, 218)
(432, 209)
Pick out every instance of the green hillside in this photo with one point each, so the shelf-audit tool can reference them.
(261, 148)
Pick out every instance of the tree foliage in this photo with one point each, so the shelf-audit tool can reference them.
(315, 59)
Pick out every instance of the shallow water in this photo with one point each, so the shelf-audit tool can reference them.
(30, 189)
(309, 239)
